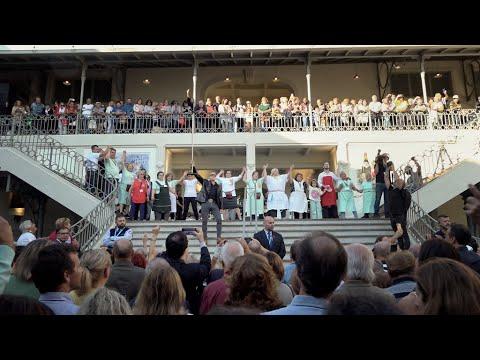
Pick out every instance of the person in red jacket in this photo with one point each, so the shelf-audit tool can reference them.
(327, 181)
(139, 195)
(63, 223)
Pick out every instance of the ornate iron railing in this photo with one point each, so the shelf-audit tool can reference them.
(67, 163)
(245, 122)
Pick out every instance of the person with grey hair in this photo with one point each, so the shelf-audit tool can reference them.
(125, 277)
(216, 292)
(360, 275)
(381, 250)
(105, 302)
(28, 230)
(20, 282)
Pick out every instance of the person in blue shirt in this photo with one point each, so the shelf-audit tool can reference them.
(56, 273)
(289, 268)
(128, 110)
(321, 266)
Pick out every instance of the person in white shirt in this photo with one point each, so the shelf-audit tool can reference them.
(190, 194)
(277, 200)
(375, 108)
(91, 167)
(229, 196)
(28, 230)
(110, 117)
(87, 115)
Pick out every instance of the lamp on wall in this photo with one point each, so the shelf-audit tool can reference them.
(275, 79)
(356, 76)
(146, 81)
(17, 207)
(438, 76)
(396, 66)
(227, 79)
(67, 83)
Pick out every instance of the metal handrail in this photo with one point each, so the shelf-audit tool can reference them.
(68, 164)
(253, 122)
(419, 223)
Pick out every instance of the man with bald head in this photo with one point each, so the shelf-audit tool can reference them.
(269, 239)
(321, 266)
(217, 291)
(399, 202)
(125, 277)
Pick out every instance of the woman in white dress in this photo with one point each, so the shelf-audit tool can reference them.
(298, 197)
(277, 200)
(172, 185)
(229, 195)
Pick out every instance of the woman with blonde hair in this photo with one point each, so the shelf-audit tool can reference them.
(162, 292)
(105, 302)
(96, 267)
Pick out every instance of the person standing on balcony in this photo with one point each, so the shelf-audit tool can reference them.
(121, 120)
(71, 113)
(327, 180)
(380, 187)
(436, 109)
(18, 113)
(98, 113)
(161, 197)
(190, 193)
(249, 114)
(264, 110)
(138, 115)
(128, 110)
(277, 200)
(255, 203)
(128, 175)
(225, 115)
(298, 203)
(88, 123)
(139, 196)
(375, 108)
(239, 110)
(229, 196)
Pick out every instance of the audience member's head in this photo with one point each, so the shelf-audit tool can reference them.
(294, 250)
(276, 263)
(21, 305)
(22, 269)
(57, 269)
(139, 260)
(437, 248)
(359, 263)
(448, 287)
(381, 250)
(321, 264)
(269, 223)
(382, 279)
(401, 263)
(459, 235)
(230, 251)
(123, 250)
(62, 223)
(96, 267)
(415, 250)
(28, 226)
(444, 222)
(176, 244)
(105, 302)
(162, 292)
(252, 283)
(348, 303)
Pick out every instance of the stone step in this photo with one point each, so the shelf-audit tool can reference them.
(348, 231)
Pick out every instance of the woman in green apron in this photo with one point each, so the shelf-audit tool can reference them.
(161, 197)
(255, 202)
(368, 190)
(345, 196)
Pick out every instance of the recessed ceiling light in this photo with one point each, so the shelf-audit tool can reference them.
(227, 79)
(275, 79)
(67, 83)
(396, 66)
(355, 77)
(438, 75)
(146, 82)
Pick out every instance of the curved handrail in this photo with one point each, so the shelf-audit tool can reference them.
(70, 165)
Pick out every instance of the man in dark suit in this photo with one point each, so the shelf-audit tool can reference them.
(192, 275)
(271, 240)
(125, 277)
(461, 238)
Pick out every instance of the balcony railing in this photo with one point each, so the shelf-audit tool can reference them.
(234, 123)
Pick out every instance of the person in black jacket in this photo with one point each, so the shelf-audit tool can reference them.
(460, 237)
(211, 199)
(269, 239)
(193, 275)
(399, 202)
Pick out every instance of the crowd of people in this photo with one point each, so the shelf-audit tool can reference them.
(244, 276)
(152, 116)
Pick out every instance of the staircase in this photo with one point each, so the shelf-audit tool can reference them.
(347, 231)
(442, 180)
(59, 172)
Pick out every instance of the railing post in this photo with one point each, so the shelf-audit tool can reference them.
(370, 121)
